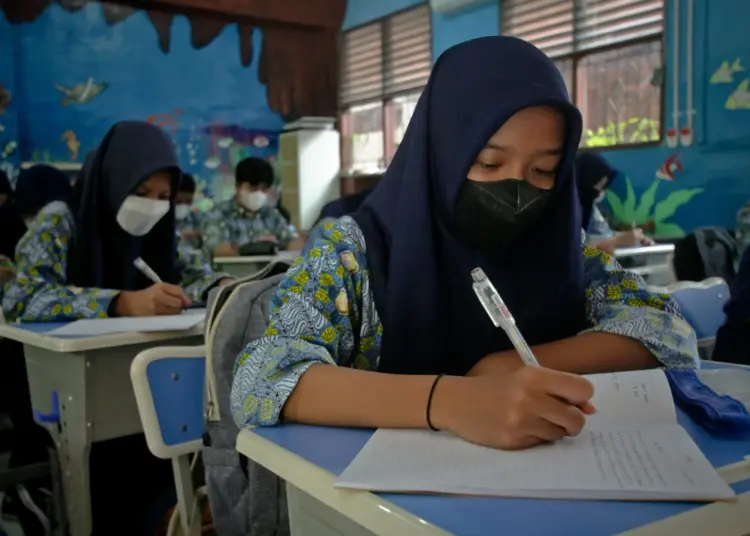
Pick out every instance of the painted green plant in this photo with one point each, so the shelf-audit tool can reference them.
(633, 130)
(647, 209)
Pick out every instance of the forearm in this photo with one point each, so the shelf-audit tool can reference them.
(589, 353)
(339, 396)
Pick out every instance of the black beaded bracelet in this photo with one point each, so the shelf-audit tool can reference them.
(429, 403)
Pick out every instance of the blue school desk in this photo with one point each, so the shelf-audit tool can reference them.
(90, 378)
(309, 457)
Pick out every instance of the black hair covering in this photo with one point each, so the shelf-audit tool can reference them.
(102, 253)
(187, 183)
(254, 171)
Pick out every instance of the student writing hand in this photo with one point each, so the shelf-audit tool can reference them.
(268, 238)
(158, 299)
(527, 407)
(226, 249)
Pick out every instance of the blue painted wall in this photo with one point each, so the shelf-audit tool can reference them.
(716, 167)
(214, 108)
(9, 153)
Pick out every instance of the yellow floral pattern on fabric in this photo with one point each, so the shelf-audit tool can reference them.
(40, 292)
(324, 312)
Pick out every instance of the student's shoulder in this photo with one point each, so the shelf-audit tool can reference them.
(342, 234)
(56, 218)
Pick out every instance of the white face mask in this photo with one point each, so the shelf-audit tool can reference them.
(253, 201)
(138, 215)
(181, 211)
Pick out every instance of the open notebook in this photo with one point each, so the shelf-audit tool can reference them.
(631, 449)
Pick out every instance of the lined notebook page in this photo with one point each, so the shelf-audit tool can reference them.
(656, 463)
(626, 399)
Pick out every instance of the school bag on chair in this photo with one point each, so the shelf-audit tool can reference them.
(245, 498)
(706, 252)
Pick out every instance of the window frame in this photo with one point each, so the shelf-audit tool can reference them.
(386, 98)
(576, 56)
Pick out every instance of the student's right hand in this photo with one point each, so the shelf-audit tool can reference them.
(158, 299)
(226, 249)
(523, 408)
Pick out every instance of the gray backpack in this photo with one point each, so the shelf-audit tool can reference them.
(245, 498)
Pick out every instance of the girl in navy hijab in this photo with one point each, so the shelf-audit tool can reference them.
(78, 260)
(377, 324)
(594, 176)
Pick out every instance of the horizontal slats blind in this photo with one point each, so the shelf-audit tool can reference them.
(601, 23)
(361, 64)
(548, 24)
(407, 42)
(562, 27)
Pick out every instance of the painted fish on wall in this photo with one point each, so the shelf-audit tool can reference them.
(81, 93)
(74, 145)
(5, 97)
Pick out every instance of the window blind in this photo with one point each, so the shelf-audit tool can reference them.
(387, 57)
(407, 42)
(361, 64)
(562, 27)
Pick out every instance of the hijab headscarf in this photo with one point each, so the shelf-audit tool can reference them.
(102, 254)
(36, 187)
(591, 168)
(39, 186)
(419, 270)
(5, 186)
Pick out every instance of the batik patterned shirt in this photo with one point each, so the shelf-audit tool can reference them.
(228, 222)
(324, 312)
(189, 229)
(40, 292)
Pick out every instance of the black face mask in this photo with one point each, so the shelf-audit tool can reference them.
(491, 215)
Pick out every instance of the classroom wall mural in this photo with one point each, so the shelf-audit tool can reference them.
(222, 90)
(704, 183)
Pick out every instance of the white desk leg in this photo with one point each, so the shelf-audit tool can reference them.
(310, 517)
(66, 374)
(96, 403)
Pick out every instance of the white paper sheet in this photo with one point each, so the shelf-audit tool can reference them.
(642, 463)
(631, 449)
(108, 326)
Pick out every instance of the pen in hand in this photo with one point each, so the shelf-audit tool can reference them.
(501, 317)
(146, 270)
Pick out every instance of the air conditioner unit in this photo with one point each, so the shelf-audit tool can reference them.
(450, 6)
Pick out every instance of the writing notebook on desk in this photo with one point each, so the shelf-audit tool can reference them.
(632, 449)
(107, 326)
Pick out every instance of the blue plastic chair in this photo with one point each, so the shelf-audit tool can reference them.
(702, 304)
(169, 384)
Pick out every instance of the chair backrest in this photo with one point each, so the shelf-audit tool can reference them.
(702, 304)
(169, 385)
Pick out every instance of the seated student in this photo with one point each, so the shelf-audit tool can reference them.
(742, 232)
(247, 218)
(78, 261)
(593, 177)
(483, 178)
(733, 338)
(188, 219)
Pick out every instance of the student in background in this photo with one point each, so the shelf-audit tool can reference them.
(78, 260)
(742, 232)
(733, 338)
(593, 177)
(6, 189)
(247, 218)
(36, 187)
(381, 303)
(188, 219)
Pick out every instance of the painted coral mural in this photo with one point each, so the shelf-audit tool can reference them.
(205, 79)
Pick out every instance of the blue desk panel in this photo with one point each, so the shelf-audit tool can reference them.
(334, 448)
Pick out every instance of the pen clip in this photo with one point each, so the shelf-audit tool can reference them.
(491, 301)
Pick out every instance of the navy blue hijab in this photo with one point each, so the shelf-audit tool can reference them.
(591, 168)
(419, 270)
(102, 254)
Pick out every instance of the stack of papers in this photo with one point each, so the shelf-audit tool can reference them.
(107, 326)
